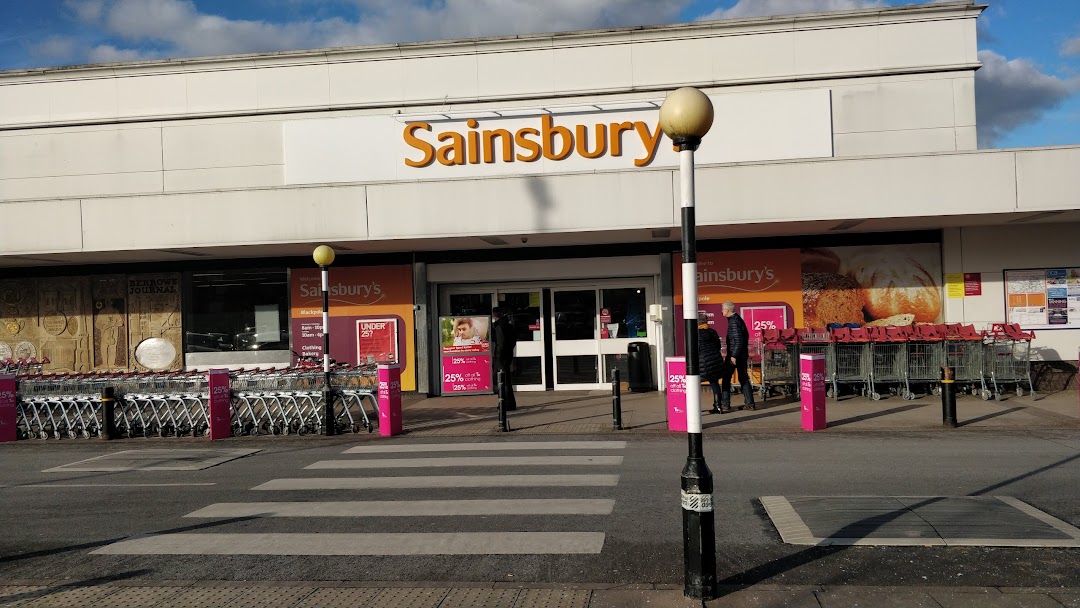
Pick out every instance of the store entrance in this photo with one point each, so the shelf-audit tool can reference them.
(570, 335)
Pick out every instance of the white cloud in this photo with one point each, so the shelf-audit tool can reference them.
(109, 54)
(88, 11)
(1011, 93)
(178, 28)
(761, 8)
(1071, 46)
(54, 48)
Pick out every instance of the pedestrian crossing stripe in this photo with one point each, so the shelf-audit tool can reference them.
(409, 508)
(468, 461)
(381, 544)
(486, 447)
(440, 481)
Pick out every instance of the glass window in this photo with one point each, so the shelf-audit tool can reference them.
(628, 312)
(523, 310)
(577, 369)
(237, 310)
(575, 315)
(470, 304)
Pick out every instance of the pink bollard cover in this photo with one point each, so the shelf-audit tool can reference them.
(220, 404)
(675, 368)
(389, 400)
(812, 391)
(8, 409)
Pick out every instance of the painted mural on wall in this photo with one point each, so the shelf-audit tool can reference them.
(95, 323)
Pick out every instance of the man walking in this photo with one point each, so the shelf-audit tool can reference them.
(738, 353)
(503, 340)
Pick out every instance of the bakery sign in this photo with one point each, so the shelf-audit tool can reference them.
(624, 134)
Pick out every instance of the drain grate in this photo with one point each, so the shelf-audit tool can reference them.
(983, 521)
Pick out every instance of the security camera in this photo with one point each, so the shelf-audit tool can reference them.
(524, 239)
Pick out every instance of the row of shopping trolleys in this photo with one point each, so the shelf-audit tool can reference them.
(277, 401)
(871, 361)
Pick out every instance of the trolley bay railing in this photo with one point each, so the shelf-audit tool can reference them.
(176, 404)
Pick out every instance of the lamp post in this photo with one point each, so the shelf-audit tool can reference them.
(324, 256)
(685, 117)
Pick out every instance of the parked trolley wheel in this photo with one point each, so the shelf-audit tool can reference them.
(875, 396)
(986, 394)
(1019, 391)
(999, 397)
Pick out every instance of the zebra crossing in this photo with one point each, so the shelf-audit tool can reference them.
(362, 471)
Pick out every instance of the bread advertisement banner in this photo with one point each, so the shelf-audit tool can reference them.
(872, 285)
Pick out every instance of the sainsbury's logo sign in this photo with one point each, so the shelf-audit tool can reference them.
(743, 279)
(528, 144)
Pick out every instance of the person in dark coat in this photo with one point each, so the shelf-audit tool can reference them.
(503, 340)
(738, 353)
(710, 358)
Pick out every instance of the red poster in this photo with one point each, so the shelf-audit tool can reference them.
(972, 283)
(376, 341)
(8, 409)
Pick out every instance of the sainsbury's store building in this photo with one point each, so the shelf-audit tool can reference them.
(162, 214)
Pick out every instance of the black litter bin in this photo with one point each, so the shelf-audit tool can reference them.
(640, 367)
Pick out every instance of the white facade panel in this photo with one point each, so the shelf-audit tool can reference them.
(836, 50)
(964, 100)
(361, 82)
(24, 103)
(518, 74)
(224, 218)
(757, 57)
(21, 229)
(83, 99)
(1048, 179)
(157, 95)
(866, 188)
(44, 154)
(910, 141)
(302, 86)
(323, 151)
(528, 205)
(441, 77)
(666, 63)
(539, 270)
(228, 178)
(71, 186)
(222, 91)
(893, 106)
(222, 144)
(927, 43)
(967, 138)
(593, 68)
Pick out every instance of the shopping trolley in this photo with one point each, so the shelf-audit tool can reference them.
(853, 359)
(779, 361)
(964, 352)
(888, 361)
(1008, 353)
(925, 357)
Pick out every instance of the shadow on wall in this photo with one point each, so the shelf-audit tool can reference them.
(1049, 373)
(542, 203)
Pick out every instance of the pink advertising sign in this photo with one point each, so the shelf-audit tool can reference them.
(389, 400)
(758, 318)
(812, 391)
(675, 371)
(8, 409)
(466, 373)
(376, 340)
(220, 404)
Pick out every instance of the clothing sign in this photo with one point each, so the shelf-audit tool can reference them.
(389, 400)
(220, 404)
(812, 391)
(465, 344)
(675, 372)
(8, 409)
(466, 373)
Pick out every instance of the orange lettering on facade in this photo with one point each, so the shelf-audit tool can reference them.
(551, 141)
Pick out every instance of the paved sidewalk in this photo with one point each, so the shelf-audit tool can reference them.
(590, 412)
(205, 594)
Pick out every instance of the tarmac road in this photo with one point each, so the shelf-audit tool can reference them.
(54, 522)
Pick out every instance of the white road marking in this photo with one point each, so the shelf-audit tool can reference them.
(453, 543)
(409, 508)
(487, 447)
(115, 485)
(442, 481)
(467, 461)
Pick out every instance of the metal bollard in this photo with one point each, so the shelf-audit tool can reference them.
(616, 401)
(948, 397)
(108, 413)
(500, 383)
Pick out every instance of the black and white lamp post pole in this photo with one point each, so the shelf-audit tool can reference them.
(685, 117)
(324, 256)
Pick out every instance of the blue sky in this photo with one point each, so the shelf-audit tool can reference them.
(1028, 90)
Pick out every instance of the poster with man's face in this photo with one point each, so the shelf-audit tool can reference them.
(464, 334)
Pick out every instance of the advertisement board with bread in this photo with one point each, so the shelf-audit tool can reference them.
(872, 285)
